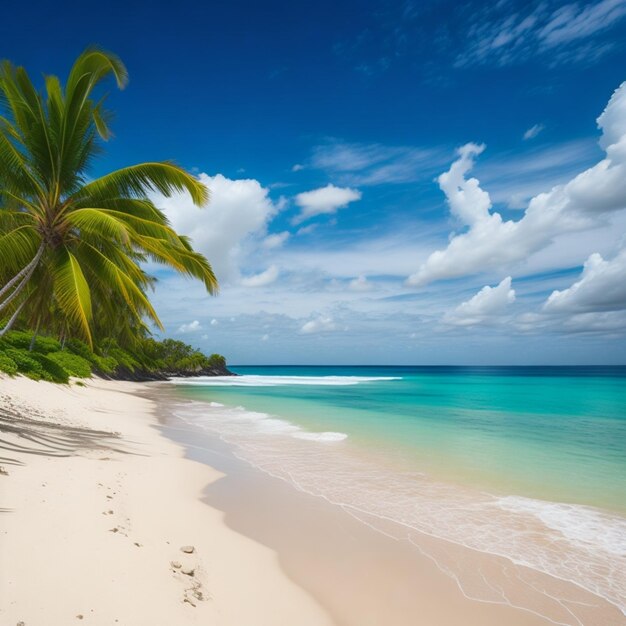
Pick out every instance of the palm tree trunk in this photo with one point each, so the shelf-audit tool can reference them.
(34, 338)
(11, 321)
(29, 268)
(25, 275)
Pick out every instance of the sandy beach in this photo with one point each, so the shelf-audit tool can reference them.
(95, 535)
(104, 488)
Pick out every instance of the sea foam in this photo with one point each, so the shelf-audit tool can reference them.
(327, 436)
(275, 381)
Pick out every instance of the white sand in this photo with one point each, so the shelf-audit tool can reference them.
(60, 560)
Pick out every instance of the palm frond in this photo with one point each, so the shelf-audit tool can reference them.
(139, 180)
(72, 292)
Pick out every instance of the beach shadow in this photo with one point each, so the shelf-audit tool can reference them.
(19, 433)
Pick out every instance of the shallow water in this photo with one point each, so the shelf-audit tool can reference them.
(524, 463)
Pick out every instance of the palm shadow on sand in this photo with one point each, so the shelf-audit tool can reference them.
(22, 434)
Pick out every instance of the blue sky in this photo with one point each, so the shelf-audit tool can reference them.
(324, 130)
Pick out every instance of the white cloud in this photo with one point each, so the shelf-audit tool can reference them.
(297, 167)
(602, 287)
(488, 303)
(375, 164)
(307, 230)
(261, 280)
(192, 327)
(265, 337)
(324, 201)
(533, 131)
(360, 284)
(572, 22)
(214, 322)
(318, 325)
(492, 242)
(466, 199)
(238, 212)
(567, 34)
(275, 240)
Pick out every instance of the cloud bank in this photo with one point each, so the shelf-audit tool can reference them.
(490, 241)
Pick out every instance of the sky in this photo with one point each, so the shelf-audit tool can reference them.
(393, 182)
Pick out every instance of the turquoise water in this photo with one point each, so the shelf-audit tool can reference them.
(528, 464)
(552, 433)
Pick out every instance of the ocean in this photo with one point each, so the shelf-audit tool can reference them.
(526, 463)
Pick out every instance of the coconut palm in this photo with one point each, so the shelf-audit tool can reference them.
(67, 243)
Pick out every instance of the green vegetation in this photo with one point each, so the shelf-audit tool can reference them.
(48, 360)
(73, 249)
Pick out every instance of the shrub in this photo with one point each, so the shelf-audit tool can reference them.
(25, 363)
(105, 364)
(44, 345)
(52, 370)
(73, 364)
(18, 339)
(124, 359)
(80, 348)
(7, 365)
(217, 360)
(22, 340)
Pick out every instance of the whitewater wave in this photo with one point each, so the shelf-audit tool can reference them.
(274, 381)
(327, 436)
(574, 523)
(239, 418)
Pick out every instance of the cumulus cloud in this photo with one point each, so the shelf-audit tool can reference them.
(239, 211)
(275, 240)
(323, 201)
(486, 305)
(214, 322)
(360, 284)
(490, 241)
(318, 325)
(261, 280)
(533, 131)
(297, 167)
(602, 287)
(192, 327)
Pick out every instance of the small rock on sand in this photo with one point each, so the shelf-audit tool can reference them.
(176, 564)
(189, 571)
(187, 549)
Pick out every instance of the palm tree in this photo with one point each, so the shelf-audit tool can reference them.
(68, 244)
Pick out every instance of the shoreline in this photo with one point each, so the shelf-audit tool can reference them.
(264, 553)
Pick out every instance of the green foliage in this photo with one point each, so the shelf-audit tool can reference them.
(44, 345)
(104, 364)
(52, 370)
(73, 364)
(18, 339)
(25, 363)
(7, 364)
(22, 340)
(49, 361)
(217, 360)
(80, 348)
